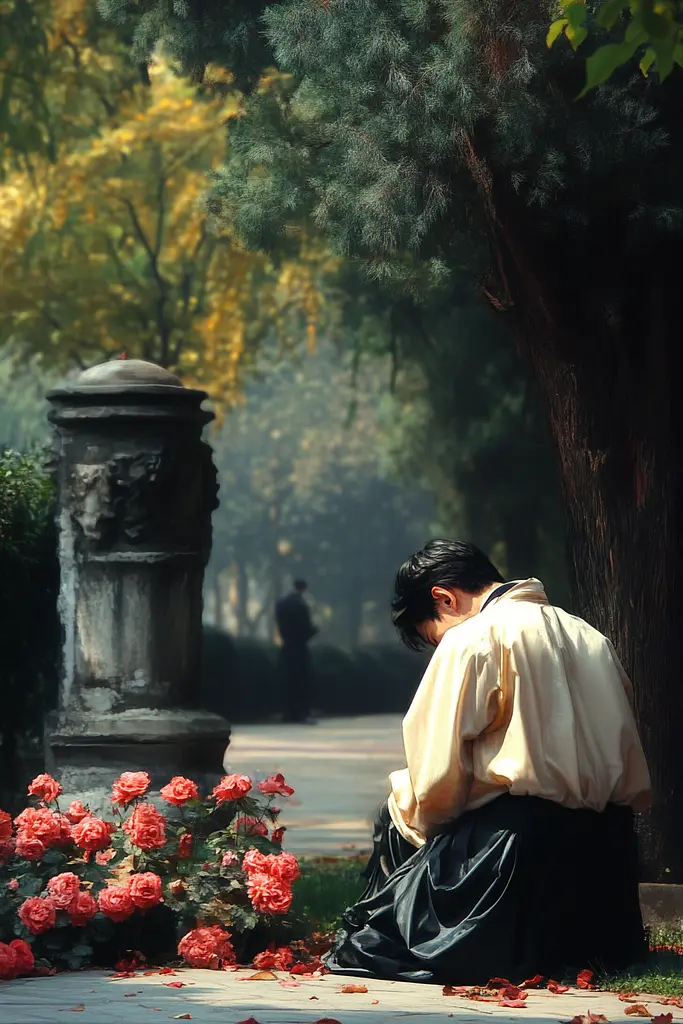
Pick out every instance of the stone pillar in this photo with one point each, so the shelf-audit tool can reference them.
(136, 489)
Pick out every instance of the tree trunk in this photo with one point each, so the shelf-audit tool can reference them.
(599, 324)
(242, 598)
(621, 488)
(218, 618)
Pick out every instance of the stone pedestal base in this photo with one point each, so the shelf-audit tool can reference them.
(662, 905)
(86, 752)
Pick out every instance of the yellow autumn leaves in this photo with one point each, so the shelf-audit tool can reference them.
(107, 246)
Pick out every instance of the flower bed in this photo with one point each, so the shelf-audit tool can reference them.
(206, 881)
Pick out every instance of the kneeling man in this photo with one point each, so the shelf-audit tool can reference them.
(507, 846)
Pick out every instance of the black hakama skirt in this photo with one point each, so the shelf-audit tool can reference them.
(519, 887)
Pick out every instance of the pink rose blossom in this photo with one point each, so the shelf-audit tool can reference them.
(231, 787)
(92, 834)
(275, 785)
(145, 890)
(44, 787)
(76, 812)
(129, 786)
(37, 914)
(179, 790)
(269, 895)
(115, 903)
(63, 889)
(82, 909)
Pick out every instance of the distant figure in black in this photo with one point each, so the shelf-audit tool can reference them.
(296, 628)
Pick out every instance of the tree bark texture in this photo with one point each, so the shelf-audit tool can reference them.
(599, 325)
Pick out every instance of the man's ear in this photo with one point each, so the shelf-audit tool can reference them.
(444, 598)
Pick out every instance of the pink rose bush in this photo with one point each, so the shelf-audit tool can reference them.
(211, 868)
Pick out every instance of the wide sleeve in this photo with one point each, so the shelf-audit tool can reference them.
(458, 700)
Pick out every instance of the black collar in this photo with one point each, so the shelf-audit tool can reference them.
(498, 592)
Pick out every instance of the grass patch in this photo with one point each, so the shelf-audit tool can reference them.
(326, 888)
(656, 980)
(661, 974)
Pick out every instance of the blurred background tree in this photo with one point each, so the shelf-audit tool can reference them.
(105, 246)
(355, 421)
(306, 491)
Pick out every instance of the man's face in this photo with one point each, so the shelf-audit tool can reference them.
(452, 608)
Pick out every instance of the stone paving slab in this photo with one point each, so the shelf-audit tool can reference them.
(338, 768)
(230, 998)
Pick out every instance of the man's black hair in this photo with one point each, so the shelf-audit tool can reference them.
(300, 585)
(441, 563)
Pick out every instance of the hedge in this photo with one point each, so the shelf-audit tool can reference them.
(29, 624)
(241, 681)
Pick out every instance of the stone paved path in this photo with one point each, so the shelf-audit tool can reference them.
(338, 768)
(229, 998)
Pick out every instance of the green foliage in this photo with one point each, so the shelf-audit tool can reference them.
(650, 29)
(241, 679)
(401, 120)
(229, 34)
(29, 627)
(468, 421)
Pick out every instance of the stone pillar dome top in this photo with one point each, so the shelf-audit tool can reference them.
(127, 373)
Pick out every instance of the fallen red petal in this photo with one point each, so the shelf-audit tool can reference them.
(584, 979)
(516, 1003)
(174, 984)
(532, 982)
(353, 989)
(512, 992)
(305, 968)
(556, 988)
(263, 976)
(628, 997)
(637, 1010)
(498, 983)
(663, 1018)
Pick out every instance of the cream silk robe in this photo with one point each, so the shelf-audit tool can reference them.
(521, 698)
